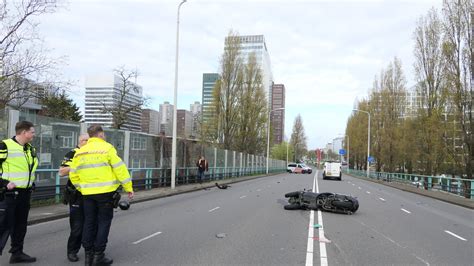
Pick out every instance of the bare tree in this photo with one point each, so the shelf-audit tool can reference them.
(252, 110)
(226, 94)
(127, 100)
(429, 65)
(298, 137)
(23, 60)
(458, 52)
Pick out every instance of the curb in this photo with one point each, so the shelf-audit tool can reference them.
(65, 213)
(463, 202)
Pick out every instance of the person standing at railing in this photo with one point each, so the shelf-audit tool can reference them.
(97, 172)
(203, 167)
(18, 162)
(74, 198)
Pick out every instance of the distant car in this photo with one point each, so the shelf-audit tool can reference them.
(332, 170)
(298, 168)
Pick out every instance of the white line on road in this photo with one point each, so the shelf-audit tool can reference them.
(244, 196)
(259, 190)
(310, 247)
(368, 192)
(211, 210)
(353, 184)
(145, 238)
(382, 199)
(405, 210)
(453, 234)
(360, 188)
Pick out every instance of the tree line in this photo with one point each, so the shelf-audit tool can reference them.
(426, 129)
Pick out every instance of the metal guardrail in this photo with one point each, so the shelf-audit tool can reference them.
(49, 185)
(450, 185)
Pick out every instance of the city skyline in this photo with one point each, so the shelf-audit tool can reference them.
(325, 53)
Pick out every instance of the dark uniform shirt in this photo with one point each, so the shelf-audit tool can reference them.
(3, 157)
(67, 160)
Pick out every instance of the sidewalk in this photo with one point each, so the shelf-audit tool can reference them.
(57, 211)
(435, 194)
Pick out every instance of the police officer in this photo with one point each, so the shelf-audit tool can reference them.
(18, 163)
(74, 198)
(97, 172)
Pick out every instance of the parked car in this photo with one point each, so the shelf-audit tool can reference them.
(298, 168)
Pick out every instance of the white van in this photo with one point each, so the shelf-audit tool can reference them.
(332, 170)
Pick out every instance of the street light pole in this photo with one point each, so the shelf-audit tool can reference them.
(175, 102)
(268, 134)
(368, 142)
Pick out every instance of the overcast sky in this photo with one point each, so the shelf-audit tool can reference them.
(325, 52)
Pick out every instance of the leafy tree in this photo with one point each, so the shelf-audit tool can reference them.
(279, 151)
(59, 105)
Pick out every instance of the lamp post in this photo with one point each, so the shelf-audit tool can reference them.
(268, 134)
(368, 141)
(175, 102)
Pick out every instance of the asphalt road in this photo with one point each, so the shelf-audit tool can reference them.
(247, 225)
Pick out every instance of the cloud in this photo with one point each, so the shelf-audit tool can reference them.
(326, 53)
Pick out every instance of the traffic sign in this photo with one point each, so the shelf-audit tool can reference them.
(342, 152)
(371, 159)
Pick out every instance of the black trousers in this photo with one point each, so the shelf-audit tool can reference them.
(18, 208)
(98, 214)
(76, 222)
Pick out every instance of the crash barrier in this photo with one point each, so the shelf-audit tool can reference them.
(456, 185)
(49, 185)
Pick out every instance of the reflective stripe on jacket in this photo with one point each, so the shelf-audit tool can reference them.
(20, 165)
(96, 169)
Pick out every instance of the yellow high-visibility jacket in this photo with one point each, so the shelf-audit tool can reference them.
(96, 169)
(18, 163)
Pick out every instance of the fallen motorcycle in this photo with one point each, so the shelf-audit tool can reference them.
(326, 201)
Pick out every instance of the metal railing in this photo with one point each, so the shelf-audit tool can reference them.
(450, 185)
(49, 185)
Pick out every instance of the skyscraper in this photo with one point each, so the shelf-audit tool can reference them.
(184, 123)
(105, 90)
(208, 82)
(256, 44)
(278, 117)
(150, 121)
(166, 118)
(196, 111)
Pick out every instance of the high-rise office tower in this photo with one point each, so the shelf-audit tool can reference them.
(278, 117)
(150, 121)
(166, 118)
(208, 82)
(256, 44)
(105, 90)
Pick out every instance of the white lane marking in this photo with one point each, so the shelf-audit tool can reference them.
(244, 196)
(368, 192)
(353, 184)
(453, 234)
(405, 210)
(46, 213)
(422, 260)
(382, 199)
(322, 245)
(360, 188)
(310, 247)
(211, 210)
(259, 190)
(145, 238)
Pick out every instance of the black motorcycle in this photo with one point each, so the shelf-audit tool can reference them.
(326, 201)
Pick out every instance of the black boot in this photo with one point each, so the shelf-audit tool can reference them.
(88, 258)
(21, 258)
(101, 260)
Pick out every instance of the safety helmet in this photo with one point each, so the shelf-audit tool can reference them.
(124, 205)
